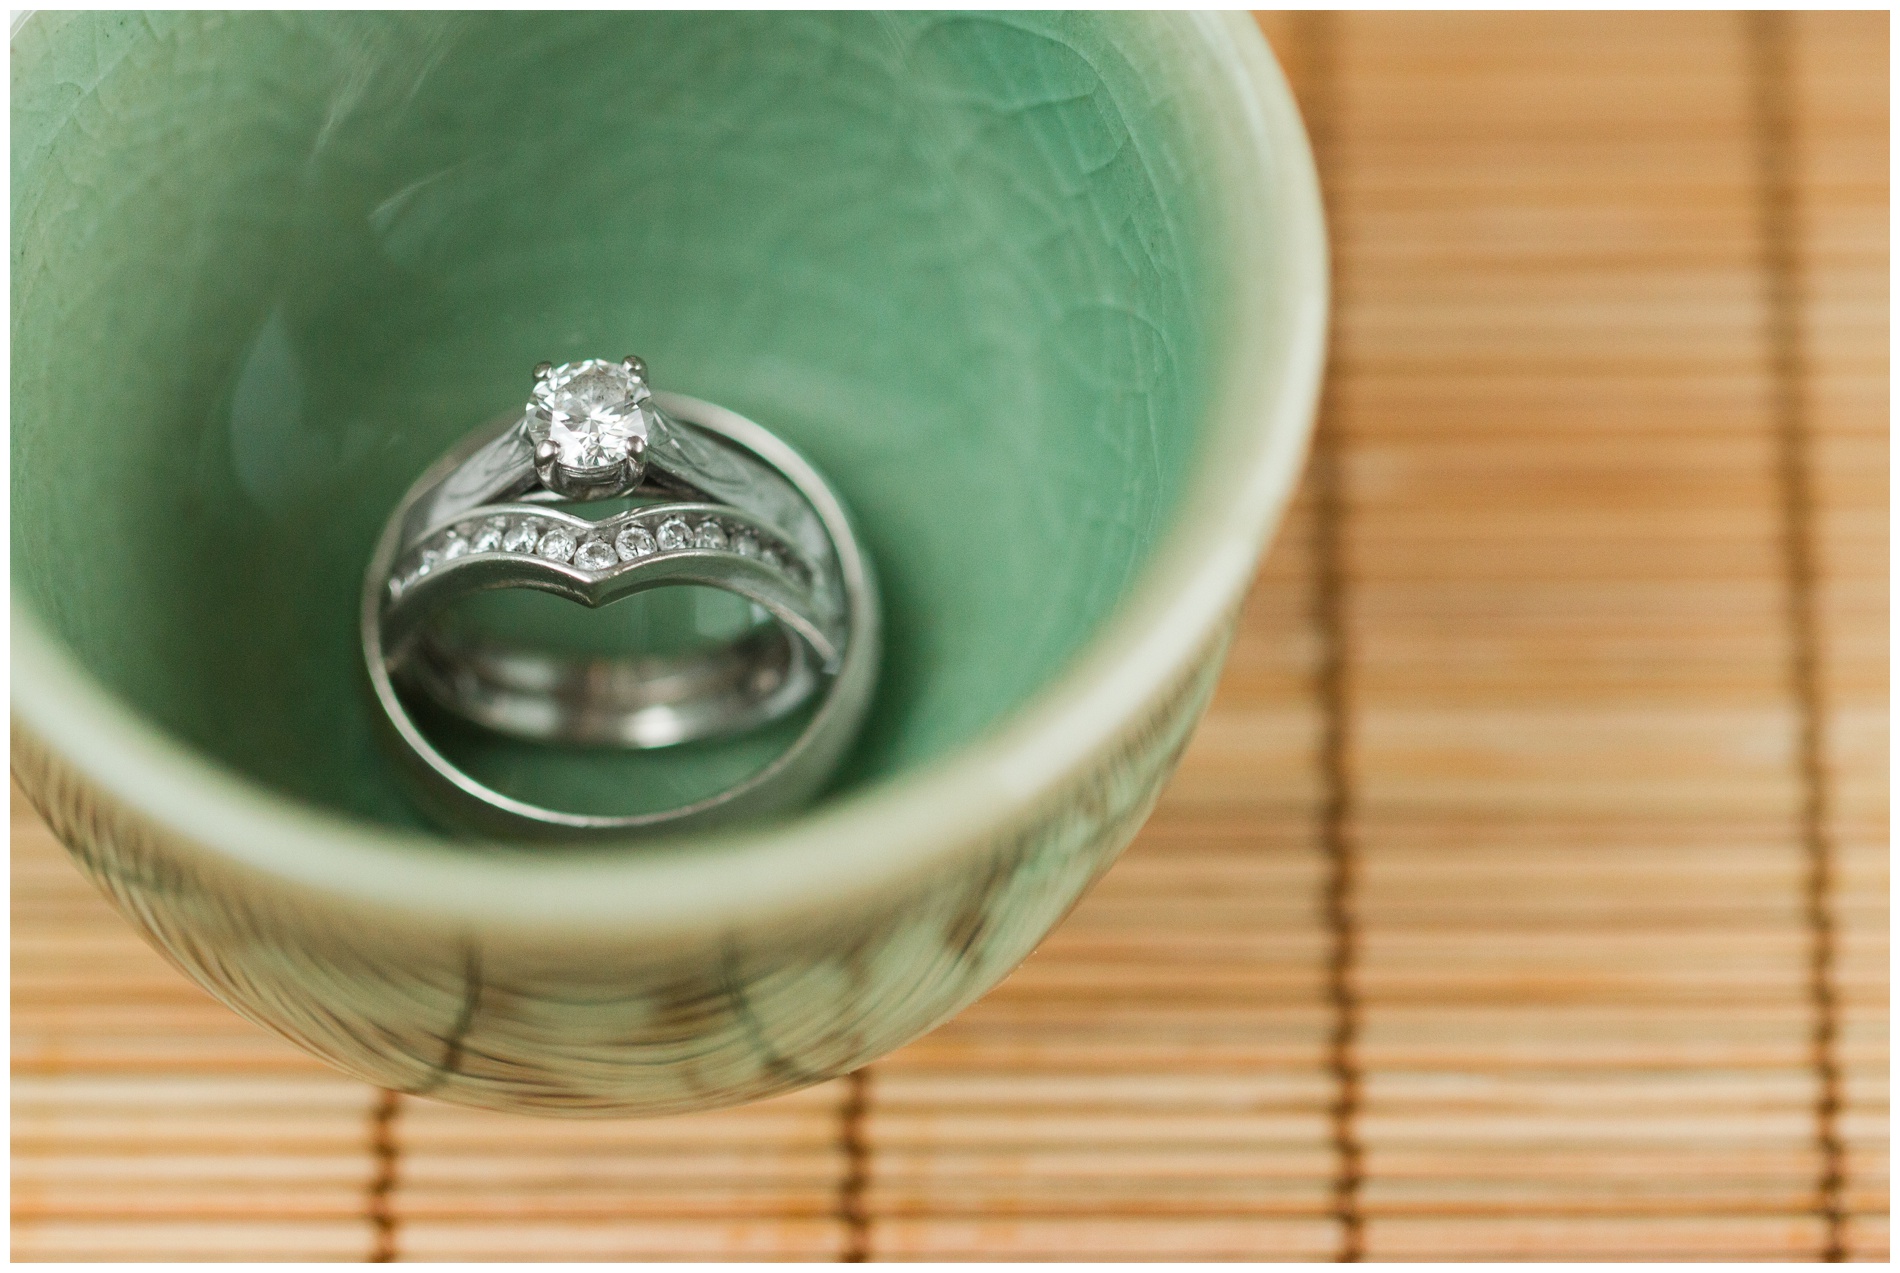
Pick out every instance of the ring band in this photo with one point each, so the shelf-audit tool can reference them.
(642, 702)
(758, 521)
(593, 430)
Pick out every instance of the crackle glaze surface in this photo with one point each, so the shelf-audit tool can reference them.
(268, 266)
(1041, 294)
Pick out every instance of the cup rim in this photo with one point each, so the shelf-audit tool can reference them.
(962, 804)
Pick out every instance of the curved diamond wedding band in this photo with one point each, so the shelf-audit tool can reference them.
(717, 501)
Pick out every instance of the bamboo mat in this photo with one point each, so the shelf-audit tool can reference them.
(1524, 893)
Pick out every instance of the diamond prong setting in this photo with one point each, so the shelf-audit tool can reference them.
(589, 422)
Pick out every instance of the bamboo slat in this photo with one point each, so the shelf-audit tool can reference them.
(149, 1122)
(755, 1182)
(1567, 602)
(1841, 68)
(1483, 918)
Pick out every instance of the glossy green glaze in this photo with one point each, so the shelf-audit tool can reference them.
(1043, 295)
(267, 266)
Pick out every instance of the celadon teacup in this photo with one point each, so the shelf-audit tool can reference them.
(1043, 295)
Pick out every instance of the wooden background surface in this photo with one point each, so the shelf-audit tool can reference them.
(1524, 894)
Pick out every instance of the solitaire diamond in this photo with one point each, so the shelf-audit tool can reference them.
(596, 413)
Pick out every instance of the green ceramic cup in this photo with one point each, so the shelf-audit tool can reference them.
(1043, 295)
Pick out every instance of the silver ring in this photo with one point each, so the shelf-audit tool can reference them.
(651, 701)
(719, 501)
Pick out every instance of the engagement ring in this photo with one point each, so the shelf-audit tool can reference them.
(702, 496)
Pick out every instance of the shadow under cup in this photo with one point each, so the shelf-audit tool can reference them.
(268, 266)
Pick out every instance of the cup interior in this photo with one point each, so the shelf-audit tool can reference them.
(267, 266)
